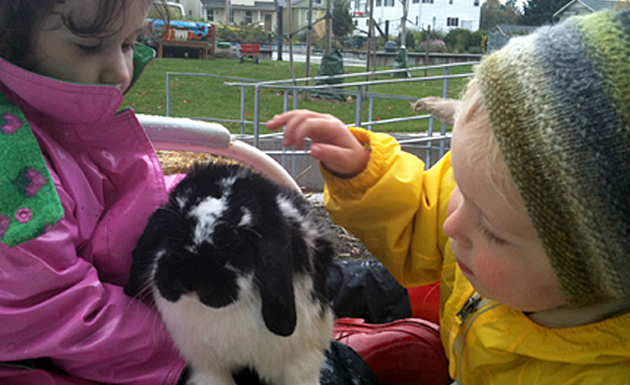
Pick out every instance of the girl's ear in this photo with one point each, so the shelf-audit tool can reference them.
(274, 279)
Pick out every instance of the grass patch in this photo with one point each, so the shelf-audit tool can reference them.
(199, 97)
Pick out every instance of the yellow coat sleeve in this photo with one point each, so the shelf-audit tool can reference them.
(396, 209)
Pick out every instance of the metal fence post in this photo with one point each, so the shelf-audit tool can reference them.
(371, 112)
(447, 72)
(168, 94)
(242, 110)
(256, 115)
(359, 112)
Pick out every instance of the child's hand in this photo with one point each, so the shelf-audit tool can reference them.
(332, 143)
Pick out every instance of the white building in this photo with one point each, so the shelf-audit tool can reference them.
(441, 15)
(192, 8)
(261, 13)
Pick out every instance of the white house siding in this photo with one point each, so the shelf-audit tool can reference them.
(422, 14)
(193, 8)
(255, 12)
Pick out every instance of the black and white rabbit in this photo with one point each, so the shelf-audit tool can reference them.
(237, 265)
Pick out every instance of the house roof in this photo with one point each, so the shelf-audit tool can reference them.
(508, 29)
(593, 5)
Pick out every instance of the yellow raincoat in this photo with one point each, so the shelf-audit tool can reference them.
(397, 210)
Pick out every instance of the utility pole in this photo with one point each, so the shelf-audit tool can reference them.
(309, 37)
(227, 12)
(290, 33)
(403, 40)
(329, 24)
(371, 39)
(280, 25)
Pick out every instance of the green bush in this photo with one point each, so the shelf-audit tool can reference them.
(460, 40)
(246, 33)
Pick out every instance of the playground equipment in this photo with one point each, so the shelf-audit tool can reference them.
(251, 51)
(186, 34)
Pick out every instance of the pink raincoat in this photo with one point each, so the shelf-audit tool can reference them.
(61, 294)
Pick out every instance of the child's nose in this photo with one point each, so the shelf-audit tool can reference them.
(116, 72)
(456, 225)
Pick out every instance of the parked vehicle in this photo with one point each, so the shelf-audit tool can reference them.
(390, 46)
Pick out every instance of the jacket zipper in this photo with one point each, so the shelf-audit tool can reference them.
(472, 309)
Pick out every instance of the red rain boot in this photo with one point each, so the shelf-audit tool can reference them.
(403, 352)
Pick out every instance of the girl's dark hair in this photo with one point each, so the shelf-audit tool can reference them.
(19, 19)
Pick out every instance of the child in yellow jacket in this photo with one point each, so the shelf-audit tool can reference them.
(532, 246)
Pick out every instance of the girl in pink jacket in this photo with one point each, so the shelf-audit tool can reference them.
(78, 181)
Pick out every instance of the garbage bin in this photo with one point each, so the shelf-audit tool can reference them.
(401, 62)
(332, 64)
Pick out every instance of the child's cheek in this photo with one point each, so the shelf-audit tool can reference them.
(494, 275)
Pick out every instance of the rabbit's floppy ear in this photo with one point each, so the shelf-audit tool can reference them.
(274, 278)
(145, 250)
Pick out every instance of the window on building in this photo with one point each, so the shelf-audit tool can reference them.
(317, 2)
(427, 1)
(356, 23)
(476, 3)
(416, 1)
(249, 17)
(388, 3)
(450, 2)
(210, 14)
(378, 3)
(452, 21)
(231, 15)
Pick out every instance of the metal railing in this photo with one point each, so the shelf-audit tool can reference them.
(430, 145)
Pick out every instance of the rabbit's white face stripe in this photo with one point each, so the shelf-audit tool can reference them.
(207, 212)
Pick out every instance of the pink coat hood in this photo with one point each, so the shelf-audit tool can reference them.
(61, 294)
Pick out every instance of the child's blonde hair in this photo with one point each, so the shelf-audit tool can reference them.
(487, 155)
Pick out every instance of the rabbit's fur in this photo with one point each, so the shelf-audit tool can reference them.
(237, 265)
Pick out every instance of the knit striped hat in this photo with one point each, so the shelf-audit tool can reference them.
(559, 105)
